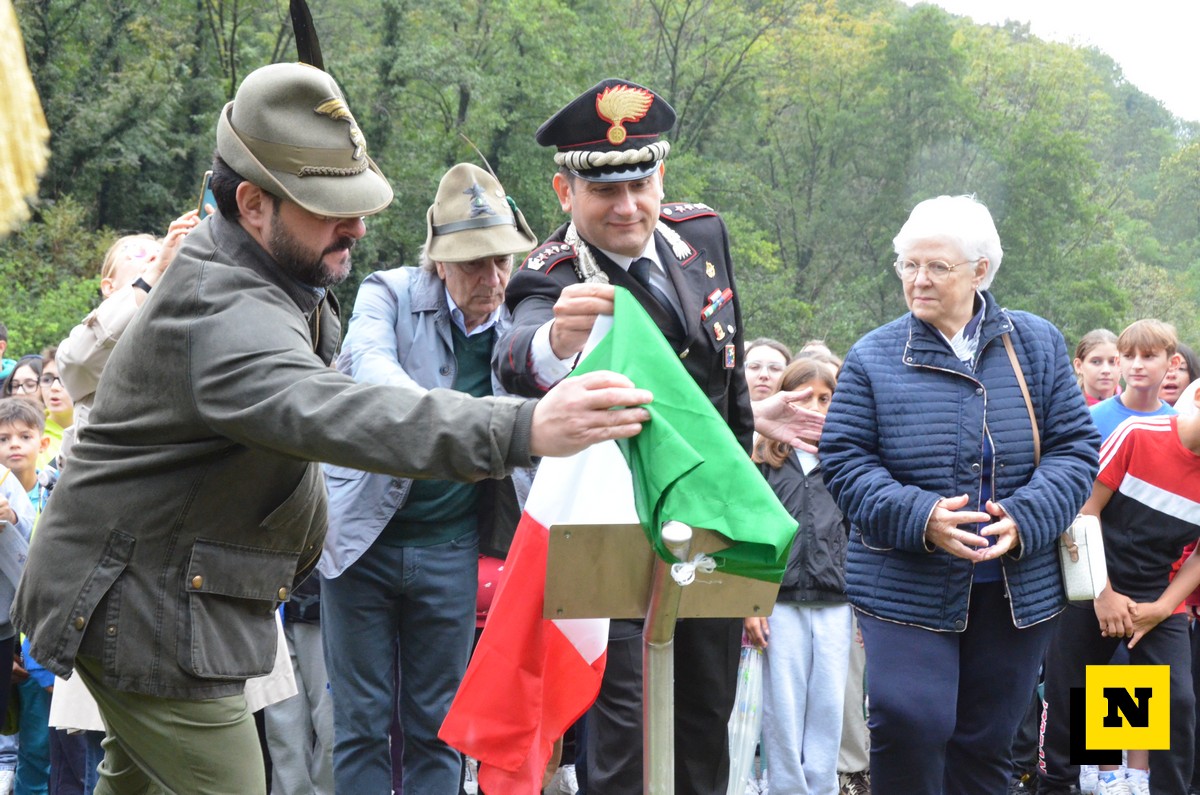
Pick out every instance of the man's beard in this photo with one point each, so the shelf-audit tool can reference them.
(298, 262)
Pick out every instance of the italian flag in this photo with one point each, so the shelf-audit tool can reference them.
(531, 678)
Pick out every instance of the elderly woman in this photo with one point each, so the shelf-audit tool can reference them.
(930, 451)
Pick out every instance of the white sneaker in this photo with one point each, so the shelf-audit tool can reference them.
(6, 781)
(1138, 784)
(1088, 776)
(470, 778)
(564, 782)
(1118, 786)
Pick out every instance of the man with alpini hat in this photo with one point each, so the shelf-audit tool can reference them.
(192, 504)
(434, 325)
(675, 260)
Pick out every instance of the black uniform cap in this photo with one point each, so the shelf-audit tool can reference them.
(609, 133)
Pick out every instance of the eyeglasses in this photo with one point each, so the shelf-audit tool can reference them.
(774, 368)
(29, 385)
(937, 270)
(49, 380)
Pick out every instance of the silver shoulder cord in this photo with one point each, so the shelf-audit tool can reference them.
(585, 263)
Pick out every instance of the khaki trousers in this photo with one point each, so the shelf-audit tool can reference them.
(174, 746)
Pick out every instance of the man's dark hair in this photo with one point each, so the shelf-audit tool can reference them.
(224, 186)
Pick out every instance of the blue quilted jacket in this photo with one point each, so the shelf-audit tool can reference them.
(906, 428)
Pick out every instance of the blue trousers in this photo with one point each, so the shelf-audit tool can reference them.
(33, 748)
(946, 705)
(414, 605)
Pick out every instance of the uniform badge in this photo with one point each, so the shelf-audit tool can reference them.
(718, 331)
(730, 356)
(710, 270)
(619, 104)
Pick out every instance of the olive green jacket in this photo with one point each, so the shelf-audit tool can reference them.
(191, 505)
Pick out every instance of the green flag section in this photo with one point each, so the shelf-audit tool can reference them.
(687, 465)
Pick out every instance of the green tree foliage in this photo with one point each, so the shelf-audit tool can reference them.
(812, 125)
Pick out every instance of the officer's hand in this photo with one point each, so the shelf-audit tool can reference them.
(776, 417)
(579, 412)
(574, 314)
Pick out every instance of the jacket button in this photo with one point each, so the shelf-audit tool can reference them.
(111, 629)
(975, 467)
(686, 351)
(197, 581)
(979, 390)
(909, 360)
(283, 594)
(960, 625)
(80, 622)
(444, 369)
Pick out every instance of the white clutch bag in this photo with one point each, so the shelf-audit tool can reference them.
(1081, 555)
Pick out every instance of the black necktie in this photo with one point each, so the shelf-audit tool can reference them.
(640, 270)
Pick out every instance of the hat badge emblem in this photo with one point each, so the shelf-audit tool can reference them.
(336, 108)
(620, 104)
(479, 203)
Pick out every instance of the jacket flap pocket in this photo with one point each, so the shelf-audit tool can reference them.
(240, 572)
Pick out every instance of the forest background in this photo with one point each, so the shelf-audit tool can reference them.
(813, 127)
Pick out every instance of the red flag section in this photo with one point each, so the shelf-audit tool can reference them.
(530, 678)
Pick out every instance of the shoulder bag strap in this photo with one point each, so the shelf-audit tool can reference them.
(1016, 366)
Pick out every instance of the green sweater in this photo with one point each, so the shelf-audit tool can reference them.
(438, 511)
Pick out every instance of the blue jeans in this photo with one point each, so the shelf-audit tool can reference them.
(414, 605)
(33, 747)
(75, 761)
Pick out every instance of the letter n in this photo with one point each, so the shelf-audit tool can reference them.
(1136, 709)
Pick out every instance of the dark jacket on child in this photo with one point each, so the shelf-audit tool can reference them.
(816, 567)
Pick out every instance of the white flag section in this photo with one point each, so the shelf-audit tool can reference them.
(529, 678)
(600, 491)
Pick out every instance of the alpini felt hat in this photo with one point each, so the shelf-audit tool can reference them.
(289, 131)
(610, 133)
(472, 217)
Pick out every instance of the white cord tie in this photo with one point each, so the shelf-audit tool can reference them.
(685, 573)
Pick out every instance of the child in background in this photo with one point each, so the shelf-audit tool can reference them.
(16, 510)
(1145, 498)
(1097, 365)
(23, 381)
(21, 440)
(132, 266)
(1147, 350)
(807, 638)
(6, 365)
(1179, 377)
(60, 410)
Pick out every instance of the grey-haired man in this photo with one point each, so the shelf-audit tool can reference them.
(399, 572)
(192, 504)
